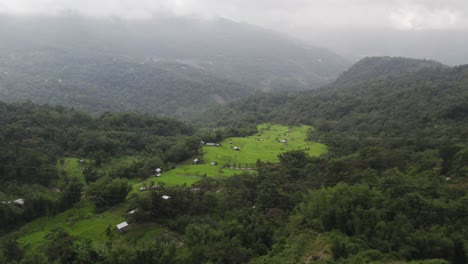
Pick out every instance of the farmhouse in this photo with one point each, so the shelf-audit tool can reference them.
(213, 144)
(122, 226)
(132, 211)
(19, 201)
(147, 188)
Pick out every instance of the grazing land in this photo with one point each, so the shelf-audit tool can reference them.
(270, 141)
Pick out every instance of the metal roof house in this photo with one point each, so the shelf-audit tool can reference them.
(122, 226)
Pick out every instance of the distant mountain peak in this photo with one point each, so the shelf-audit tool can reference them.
(377, 68)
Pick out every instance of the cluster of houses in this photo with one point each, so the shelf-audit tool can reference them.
(158, 172)
(147, 188)
(210, 144)
(19, 201)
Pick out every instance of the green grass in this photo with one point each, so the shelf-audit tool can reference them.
(83, 222)
(72, 168)
(80, 221)
(263, 146)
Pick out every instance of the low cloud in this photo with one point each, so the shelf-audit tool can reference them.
(291, 16)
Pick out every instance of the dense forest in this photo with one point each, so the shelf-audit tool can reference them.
(35, 138)
(100, 83)
(392, 187)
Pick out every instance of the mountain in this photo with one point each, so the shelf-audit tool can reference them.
(240, 52)
(377, 68)
(99, 84)
(399, 106)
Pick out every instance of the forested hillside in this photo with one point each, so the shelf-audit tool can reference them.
(34, 139)
(99, 84)
(392, 187)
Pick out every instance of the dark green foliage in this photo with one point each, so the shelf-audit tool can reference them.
(107, 192)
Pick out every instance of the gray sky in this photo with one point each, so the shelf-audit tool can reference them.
(292, 16)
(433, 29)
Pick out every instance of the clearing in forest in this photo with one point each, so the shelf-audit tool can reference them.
(239, 154)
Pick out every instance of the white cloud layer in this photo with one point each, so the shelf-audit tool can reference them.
(290, 15)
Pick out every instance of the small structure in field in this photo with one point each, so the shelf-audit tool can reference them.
(195, 161)
(283, 141)
(236, 148)
(19, 201)
(122, 226)
(158, 170)
(214, 163)
(147, 188)
(132, 211)
(166, 197)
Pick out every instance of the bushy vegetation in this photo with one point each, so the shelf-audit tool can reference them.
(391, 189)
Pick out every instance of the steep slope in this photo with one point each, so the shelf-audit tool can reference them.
(377, 68)
(239, 52)
(386, 107)
(104, 83)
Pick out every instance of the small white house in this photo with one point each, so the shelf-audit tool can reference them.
(19, 201)
(122, 226)
(132, 211)
(158, 170)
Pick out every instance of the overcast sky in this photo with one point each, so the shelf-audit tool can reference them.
(291, 16)
(433, 29)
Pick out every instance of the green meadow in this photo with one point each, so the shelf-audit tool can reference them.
(83, 221)
(264, 146)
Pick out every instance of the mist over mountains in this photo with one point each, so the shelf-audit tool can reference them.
(239, 52)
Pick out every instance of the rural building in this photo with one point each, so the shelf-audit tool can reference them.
(19, 201)
(214, 163)
(213, 144)
(165, 197)
(132, 211)
(195, 161)
(236, 148)
(122, 226)
(158, 170)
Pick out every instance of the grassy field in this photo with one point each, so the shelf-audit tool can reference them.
(84, 222)
(72, 168)
(80, 221)
(265, 146)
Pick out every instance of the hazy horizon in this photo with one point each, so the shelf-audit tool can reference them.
(354, 29)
